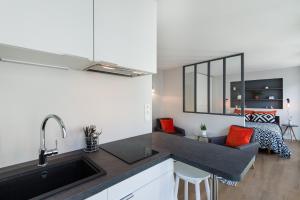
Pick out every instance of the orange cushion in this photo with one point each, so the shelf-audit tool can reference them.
(167, 125)
(238, 136)
(237, 111)
(272, 112)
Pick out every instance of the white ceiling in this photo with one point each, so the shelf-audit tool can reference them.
(267, 31)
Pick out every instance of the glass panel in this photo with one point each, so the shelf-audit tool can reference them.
(202, 87)
(215, 104)
(216, 77)
(189, 89)
(233, 84)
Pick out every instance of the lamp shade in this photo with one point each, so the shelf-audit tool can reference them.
(288, 102)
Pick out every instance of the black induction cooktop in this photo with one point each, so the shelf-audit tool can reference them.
(129, 151)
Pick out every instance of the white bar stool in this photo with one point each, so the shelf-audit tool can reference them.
(190, 175)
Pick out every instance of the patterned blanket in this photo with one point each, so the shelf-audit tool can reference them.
(228, 182)
(268, 136)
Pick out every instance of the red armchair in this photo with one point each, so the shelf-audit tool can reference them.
(178, 131)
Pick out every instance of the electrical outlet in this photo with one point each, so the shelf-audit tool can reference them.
(147, 110)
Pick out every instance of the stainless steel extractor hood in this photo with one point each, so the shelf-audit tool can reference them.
(19, 55)
(109, 68)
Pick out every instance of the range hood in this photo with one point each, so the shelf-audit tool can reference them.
(110, 68)
(19, 55)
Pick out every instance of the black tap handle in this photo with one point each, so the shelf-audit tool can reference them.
(42, 157)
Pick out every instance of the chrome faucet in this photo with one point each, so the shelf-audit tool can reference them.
(43, 152)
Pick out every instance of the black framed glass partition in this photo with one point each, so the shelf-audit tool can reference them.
(206, 86)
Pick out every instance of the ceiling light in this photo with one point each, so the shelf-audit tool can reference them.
(110, 68)
(136, 72)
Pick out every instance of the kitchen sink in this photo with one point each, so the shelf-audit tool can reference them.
(42, 182)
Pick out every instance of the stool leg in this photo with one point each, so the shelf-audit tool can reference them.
(214, 188)
(207, 189)
(176, 187)
(186, 190)
(197, 191)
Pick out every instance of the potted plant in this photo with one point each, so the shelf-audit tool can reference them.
(203, 129)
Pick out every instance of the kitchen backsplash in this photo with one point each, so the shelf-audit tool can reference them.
(28, 94)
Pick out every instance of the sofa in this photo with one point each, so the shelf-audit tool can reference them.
(252, 147)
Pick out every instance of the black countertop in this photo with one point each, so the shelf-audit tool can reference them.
(226, 162)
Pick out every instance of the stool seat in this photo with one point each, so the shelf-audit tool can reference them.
(190, 174)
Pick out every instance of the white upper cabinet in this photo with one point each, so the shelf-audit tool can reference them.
(125, 33)
(55, 26)
(122, 32)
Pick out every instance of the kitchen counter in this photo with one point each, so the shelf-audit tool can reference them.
(226, 162)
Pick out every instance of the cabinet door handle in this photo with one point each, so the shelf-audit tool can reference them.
(130, 196)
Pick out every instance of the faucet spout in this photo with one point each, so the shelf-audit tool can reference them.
(43, 151)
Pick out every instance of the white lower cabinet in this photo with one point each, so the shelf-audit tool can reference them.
(155, 183)
(160, 189)
(99, 196)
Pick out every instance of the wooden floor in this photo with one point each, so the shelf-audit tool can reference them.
(273, 178)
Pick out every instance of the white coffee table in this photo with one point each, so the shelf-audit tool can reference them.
(198, 137)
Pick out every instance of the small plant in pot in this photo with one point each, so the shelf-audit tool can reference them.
(203, 129)
(91, 138)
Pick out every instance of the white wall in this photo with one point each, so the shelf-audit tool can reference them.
(28, 94)
(158, 87)
(172, 107)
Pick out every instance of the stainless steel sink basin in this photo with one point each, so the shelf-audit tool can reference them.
(43, 182)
